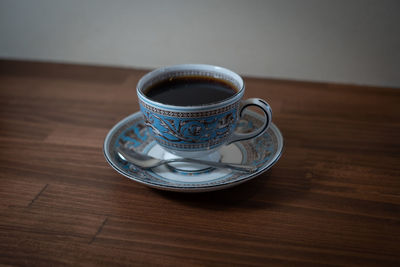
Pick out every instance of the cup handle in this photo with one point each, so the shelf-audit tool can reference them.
(268, 117)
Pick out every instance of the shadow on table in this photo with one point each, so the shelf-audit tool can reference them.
(249, 195)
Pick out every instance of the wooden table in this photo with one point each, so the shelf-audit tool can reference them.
(332, 199)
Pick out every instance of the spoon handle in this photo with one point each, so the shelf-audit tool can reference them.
(238, 167)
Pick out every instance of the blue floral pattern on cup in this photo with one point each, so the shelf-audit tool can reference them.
(190, 130)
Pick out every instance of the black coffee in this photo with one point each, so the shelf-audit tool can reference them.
(190, 91)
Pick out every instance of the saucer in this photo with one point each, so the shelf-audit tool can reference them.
(262, 152)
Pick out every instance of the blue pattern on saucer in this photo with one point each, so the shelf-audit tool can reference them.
(262, 152)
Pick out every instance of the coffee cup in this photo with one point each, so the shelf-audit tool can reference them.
(191, 110)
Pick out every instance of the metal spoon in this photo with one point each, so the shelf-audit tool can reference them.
(148, 162)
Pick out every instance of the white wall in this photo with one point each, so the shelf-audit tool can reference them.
(340, 41)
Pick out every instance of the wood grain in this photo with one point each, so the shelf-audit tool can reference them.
(332, 199)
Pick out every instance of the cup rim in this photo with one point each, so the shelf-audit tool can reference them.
(181, 67)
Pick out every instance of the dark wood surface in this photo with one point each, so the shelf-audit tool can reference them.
(332, 199)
